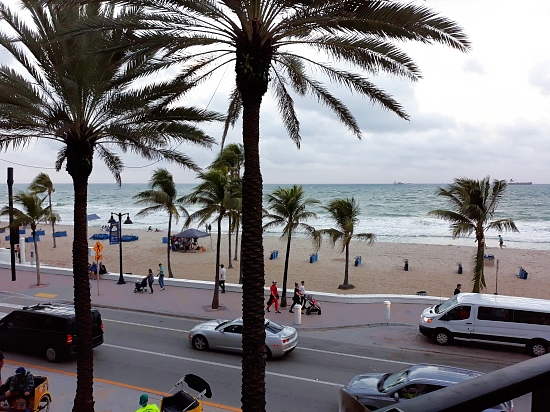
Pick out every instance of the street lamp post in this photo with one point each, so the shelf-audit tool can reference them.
(121, 280)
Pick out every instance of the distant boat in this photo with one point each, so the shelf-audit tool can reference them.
(511, 182)
(398, 183)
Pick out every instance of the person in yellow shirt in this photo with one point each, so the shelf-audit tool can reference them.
(145, 407)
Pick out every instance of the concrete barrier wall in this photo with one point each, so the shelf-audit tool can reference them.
(235, 287)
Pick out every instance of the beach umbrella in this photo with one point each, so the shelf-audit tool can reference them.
(191, 234)
(93, 216)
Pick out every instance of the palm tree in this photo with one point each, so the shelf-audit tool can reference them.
(232, 157)
(345, 213)
(289, 208)
(78, 92)
(31, 213)
(43, 184)
(216, 198)
(162, 197)
(473, 206)
(265, 42)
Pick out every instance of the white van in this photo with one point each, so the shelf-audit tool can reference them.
(502, 320)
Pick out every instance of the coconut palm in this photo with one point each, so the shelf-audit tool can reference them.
(78, 92)
(274, 43)
(232, 157)
(345, 213)
(473, 206)
(161, 197)
(216, 198)
(43, 184)
(31, 213)
(288, 207)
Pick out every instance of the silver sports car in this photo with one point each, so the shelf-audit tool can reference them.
(227, 335)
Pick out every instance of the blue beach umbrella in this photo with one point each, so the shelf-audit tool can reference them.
(93, 216)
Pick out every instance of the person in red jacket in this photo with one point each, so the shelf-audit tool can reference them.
(273, 297)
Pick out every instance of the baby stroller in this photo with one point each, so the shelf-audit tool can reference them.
(311, 305)
(141, 287)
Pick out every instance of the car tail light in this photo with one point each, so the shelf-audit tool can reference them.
(69, 339)
(285, 340)
(101, 326)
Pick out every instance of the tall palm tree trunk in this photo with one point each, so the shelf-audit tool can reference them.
(168, 249)
(229, 266)
(479, 277)
(53, 223)
(285, 274)
(79, 166)
(237, 240)
(346, 270)
(36, 256)
(252, 260)
(216, 297)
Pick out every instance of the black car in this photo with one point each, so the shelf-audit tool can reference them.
(47, 328)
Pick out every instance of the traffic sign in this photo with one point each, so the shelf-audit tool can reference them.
(98, 257)
(98, 247)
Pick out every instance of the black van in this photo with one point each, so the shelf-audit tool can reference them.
(47, 328)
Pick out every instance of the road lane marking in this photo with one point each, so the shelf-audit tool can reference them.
(298, 347)
(114, 383)
(223, 365)
(353, 356)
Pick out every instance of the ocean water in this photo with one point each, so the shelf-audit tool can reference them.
(394, 213)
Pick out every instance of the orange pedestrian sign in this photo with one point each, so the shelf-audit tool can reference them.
(98, 247)
(98, 257)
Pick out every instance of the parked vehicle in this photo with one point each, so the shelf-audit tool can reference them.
(497, 319)
(46, 328)
(378, 390)
(227, 335)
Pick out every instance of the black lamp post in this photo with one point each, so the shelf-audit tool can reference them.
(121, 280)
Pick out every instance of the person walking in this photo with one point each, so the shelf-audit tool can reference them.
(457, 290)
(18, 252)
(150, 279)
(501, 241)
(145, 406)
(273, 297)
(302, 294)
(222, 278)
(296, 298)
(161, 276)
(209, 228)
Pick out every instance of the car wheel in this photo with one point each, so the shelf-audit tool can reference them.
(537, 348)
(44, 404)
(443, 337)
(200, 342)
(52, 354)
(268, 354)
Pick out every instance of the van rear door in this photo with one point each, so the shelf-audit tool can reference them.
(460, 321)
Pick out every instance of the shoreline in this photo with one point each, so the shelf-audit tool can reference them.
(432, 268)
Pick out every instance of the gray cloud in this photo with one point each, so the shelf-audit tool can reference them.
(539, 76)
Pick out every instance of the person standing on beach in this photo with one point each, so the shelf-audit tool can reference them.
(501, 241)
(273, 297)
(209, 228)
(161, 276)
(222, 278)
(457, 290)
(18, 252)
(150, 279)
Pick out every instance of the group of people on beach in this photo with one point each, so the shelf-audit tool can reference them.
(179, 244)
(299, 296)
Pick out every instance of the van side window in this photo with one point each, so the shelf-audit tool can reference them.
(495, 314)
(533, 318)
(459, 313)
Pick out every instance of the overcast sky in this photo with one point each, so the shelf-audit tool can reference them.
(476, 114)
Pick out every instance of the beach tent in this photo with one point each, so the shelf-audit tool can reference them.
(192, 233)
(93, 216)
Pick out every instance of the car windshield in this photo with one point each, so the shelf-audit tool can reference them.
(273, 327)
(445, 306)
(221, 325)
(388, 382)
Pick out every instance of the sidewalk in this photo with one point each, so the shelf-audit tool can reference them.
(195, 302)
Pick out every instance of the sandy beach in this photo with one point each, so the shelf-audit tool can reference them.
(432, 268)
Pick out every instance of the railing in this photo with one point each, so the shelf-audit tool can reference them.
(531, 376)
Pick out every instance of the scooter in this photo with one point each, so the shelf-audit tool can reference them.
(181, 401)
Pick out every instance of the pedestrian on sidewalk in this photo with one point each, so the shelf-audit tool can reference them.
(145, 406)
(273, 297)
(150, 279)
(222, 278)
(296, 298)
(457, 290)
(302, 293)
(161, 276)
(18, 252)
